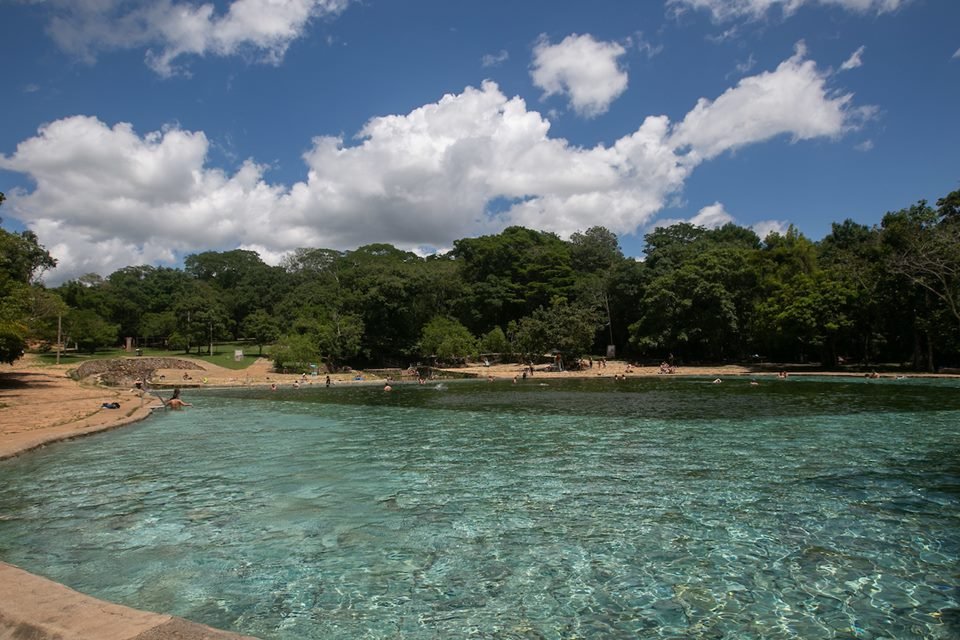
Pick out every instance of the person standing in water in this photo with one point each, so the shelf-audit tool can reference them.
(175, 402)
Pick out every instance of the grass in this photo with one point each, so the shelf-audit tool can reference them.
(222, 355)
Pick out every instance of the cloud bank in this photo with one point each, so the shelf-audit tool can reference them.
(470, 163)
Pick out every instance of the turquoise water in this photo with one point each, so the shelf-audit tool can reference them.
(658, 508)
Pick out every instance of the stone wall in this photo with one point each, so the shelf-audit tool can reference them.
(123, 371)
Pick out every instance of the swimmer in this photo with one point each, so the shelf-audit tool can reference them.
(175, 402)
(387, 387)
(717, 381)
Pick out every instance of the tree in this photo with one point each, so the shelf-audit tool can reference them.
(89, 331)
(495, 341)
(508, 275)
(339, 338)
(294, 351)
(567, 329)
(927, 249)
(447, 339)
(161, 325)
(261, 327)
(22, 260)
(200, 317)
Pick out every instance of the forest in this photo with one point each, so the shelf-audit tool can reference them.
(886, 294)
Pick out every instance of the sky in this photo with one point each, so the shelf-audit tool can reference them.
(139, 132)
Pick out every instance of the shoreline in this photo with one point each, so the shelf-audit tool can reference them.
(41, 405)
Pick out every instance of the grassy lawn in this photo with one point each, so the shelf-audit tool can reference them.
(222, 355)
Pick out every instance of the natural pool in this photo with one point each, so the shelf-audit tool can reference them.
(663, 507)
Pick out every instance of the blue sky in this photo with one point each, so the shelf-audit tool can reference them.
(140, 132)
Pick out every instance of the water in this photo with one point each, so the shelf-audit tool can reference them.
(658, 508)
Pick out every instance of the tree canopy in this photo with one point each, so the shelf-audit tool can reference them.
(886, 293)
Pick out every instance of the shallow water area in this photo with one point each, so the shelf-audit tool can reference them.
(655, 508)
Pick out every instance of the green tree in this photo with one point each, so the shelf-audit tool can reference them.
(495, 341)
(160, 325)
(564, 328)
(508, 275)
(294, 351)
(201, 319)
(447, 339)
(261, 327)
(89, 331)
(22, 260)
(339, 338)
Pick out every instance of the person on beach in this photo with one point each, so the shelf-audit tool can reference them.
(328, 381)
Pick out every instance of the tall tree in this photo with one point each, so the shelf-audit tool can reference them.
(22, 260)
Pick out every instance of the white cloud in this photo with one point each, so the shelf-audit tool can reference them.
(764, 228)
(855, 60)
(172, 29)
(792, 100)
(495, 59)
(956, 54)
(582, 68)
(712, 216)
(470, 163)
(866, 145)
(715, 216)
(724, 10)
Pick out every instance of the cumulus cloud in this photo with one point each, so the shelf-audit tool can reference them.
(792, 100)
(855, 60)
(715, 215)
(585, 70)
(712, 216)
(172, 29)
(470, 163)
(764, 228)
(724, 10)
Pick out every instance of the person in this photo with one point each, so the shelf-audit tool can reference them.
(387, 387)
(328, 381)
(138, 383)
(176, 402)
(717, 381)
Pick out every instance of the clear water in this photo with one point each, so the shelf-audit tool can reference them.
(660, 508)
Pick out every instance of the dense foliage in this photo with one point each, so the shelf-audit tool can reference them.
(26, 309)
(883, 294)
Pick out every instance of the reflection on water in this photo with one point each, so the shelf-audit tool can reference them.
(655, 508)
